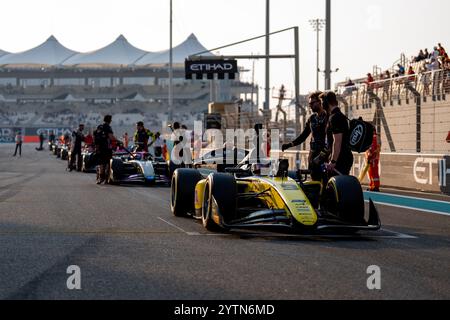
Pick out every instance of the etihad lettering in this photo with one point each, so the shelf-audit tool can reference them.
(211, 67)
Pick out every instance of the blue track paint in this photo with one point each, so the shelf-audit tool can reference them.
(434, 206)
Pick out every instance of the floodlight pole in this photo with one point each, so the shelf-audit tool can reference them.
(328, 46)
(170, 69)
(267, 90)
(317, 25)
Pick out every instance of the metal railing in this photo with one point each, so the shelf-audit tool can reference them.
(433, 84)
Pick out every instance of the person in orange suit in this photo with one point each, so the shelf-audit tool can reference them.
(373, 159)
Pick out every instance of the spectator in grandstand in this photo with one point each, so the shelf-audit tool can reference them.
(349, 87)
(441, 50)
(103, 139)
(386, 77)
(425, 79)
(433, 65)
(412, 74)
(401, 70)
(435, 53)
(141, 137)
(420, 57)
(426, 54)
(19, 141)
(369, 82)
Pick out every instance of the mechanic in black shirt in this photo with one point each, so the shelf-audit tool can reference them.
(103, 139)
(338, 133)
(77, 139)
(316, 125)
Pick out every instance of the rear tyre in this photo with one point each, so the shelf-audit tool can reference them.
(222, 189)
(182, 195)
(345, 199)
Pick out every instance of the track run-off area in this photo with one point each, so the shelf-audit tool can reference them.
(128, 245)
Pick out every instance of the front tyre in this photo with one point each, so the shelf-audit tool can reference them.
(345, 199)
(182, 194)
(220, 194)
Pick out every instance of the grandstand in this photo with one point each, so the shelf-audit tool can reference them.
(413, 111)
(51, 85)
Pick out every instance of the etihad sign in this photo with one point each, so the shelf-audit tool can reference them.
(211, 68)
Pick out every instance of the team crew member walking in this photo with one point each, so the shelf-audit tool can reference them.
(338, 133)
(373, 159)
(103, 139)
(317, 126)
(77, 139)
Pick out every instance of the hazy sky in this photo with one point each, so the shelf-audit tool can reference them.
(365, 32)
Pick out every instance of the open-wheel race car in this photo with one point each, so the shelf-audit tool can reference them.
(138, 167)
(242, 197)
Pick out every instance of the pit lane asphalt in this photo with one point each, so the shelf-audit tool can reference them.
(129, 246)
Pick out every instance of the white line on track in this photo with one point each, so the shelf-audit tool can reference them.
(173, 225)
(409, 208)
(409, 197)
(395, 235)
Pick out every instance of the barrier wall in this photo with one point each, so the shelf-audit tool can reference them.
(420, 172)
(30, 135)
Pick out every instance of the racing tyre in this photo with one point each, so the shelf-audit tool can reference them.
(115, 169)
(344, 198)
(222, 189)
(182, 194)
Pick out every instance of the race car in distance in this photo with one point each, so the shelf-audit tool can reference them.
(140, 167)
(244, 197)
(64, 152)
(56, 149)
(88, 163)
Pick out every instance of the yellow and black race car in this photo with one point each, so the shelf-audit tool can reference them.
(244, 197)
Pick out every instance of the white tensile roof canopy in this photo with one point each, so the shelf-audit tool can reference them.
(49, 53)
(118, 53)
(2, 53)
(188, 47)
